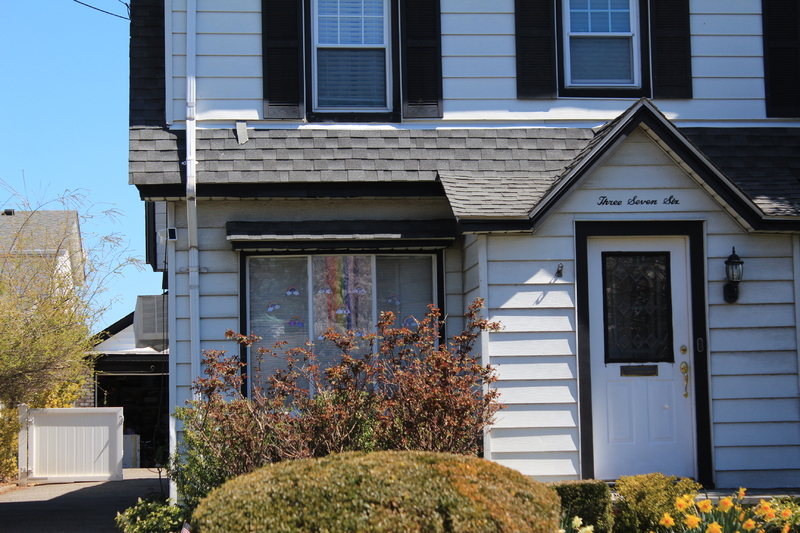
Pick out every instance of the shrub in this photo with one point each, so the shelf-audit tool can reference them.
(407, 391)
(381, 492)
(151, 515)
(588, 499)
(644, 499)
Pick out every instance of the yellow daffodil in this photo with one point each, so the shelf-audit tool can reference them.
(692, 521)
(577, 522)
(705, 506)
(714, 527)
(786, 513)
(749, 524)
(726, 504)
(587, 529)
(681, 504)
(785, 528)
(741, 493)
(667, 520)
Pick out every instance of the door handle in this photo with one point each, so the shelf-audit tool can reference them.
(685, 372)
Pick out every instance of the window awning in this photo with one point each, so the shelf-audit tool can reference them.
(342, 235)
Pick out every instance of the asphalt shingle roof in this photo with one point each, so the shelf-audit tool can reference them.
(764, 162)
(492, 172)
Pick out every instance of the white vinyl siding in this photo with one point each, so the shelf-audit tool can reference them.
(752, 344)
(479, 66)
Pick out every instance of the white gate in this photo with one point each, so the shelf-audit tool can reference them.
(70, 444)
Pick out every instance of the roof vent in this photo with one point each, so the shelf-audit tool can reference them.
(8, 212)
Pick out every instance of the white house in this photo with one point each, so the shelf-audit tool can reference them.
(586, 168)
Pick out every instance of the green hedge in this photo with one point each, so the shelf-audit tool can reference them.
(589, 499)
(381, 492)
(644, 499)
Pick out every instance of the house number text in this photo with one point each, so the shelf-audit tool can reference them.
(635, 200)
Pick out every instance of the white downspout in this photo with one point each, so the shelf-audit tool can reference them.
(191, 186)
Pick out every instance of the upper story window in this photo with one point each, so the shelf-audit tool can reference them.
(351, 55)
(603, 48)
(352, 60)
(600, 48)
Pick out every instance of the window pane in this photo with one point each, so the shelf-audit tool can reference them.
(373, 30)
(342, 299)
(601, 60)
(638, 307)
(350, 7)
(599, 16)
(350, 30)
(343, 295)
(599, 21)
(579, 21)
(328, 7)
(278, 304)
(404, 287)
(328, 29)
(351, 78)
(373, 7)
(620, 21)
(350, 22)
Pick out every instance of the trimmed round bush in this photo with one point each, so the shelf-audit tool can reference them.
(381, 492)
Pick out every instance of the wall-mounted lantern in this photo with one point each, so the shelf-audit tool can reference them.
(734, 271)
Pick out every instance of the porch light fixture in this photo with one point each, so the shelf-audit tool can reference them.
(734, 270)
(560, 270)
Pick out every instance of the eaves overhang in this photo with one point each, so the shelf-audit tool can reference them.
(330, 189)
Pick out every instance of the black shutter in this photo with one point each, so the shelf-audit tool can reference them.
(536, 48)
(781, 19)
(422, 58)
(282, 56)
(671, 49)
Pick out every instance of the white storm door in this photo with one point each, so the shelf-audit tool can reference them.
(641, 355)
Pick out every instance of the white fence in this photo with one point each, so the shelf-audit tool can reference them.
(70, 444)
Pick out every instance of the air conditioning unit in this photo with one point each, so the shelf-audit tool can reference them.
(150, 322)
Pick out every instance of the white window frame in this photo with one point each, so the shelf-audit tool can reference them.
(387, 47)
(633, 35)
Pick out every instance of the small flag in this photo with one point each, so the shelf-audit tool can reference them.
(186, 528)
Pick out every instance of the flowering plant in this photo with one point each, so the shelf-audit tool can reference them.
(730, 516)
(574, 525)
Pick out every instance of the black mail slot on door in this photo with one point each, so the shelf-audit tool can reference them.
(638, 370)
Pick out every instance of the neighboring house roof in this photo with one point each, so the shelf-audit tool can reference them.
(44, 233)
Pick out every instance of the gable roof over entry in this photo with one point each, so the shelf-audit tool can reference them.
(758, 183)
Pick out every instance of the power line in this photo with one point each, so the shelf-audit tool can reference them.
(104, 11)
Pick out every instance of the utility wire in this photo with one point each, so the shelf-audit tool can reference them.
(102, 10)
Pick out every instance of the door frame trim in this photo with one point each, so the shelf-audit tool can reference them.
(695, 231)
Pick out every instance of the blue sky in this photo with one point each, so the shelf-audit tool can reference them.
(64, 122)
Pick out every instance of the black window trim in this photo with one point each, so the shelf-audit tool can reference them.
(610, 91)
(665, 52)
(392, 115)
(416, 55)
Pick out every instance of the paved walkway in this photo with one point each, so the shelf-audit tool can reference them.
(75, 507)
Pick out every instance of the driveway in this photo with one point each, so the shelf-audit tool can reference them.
(75, 507)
